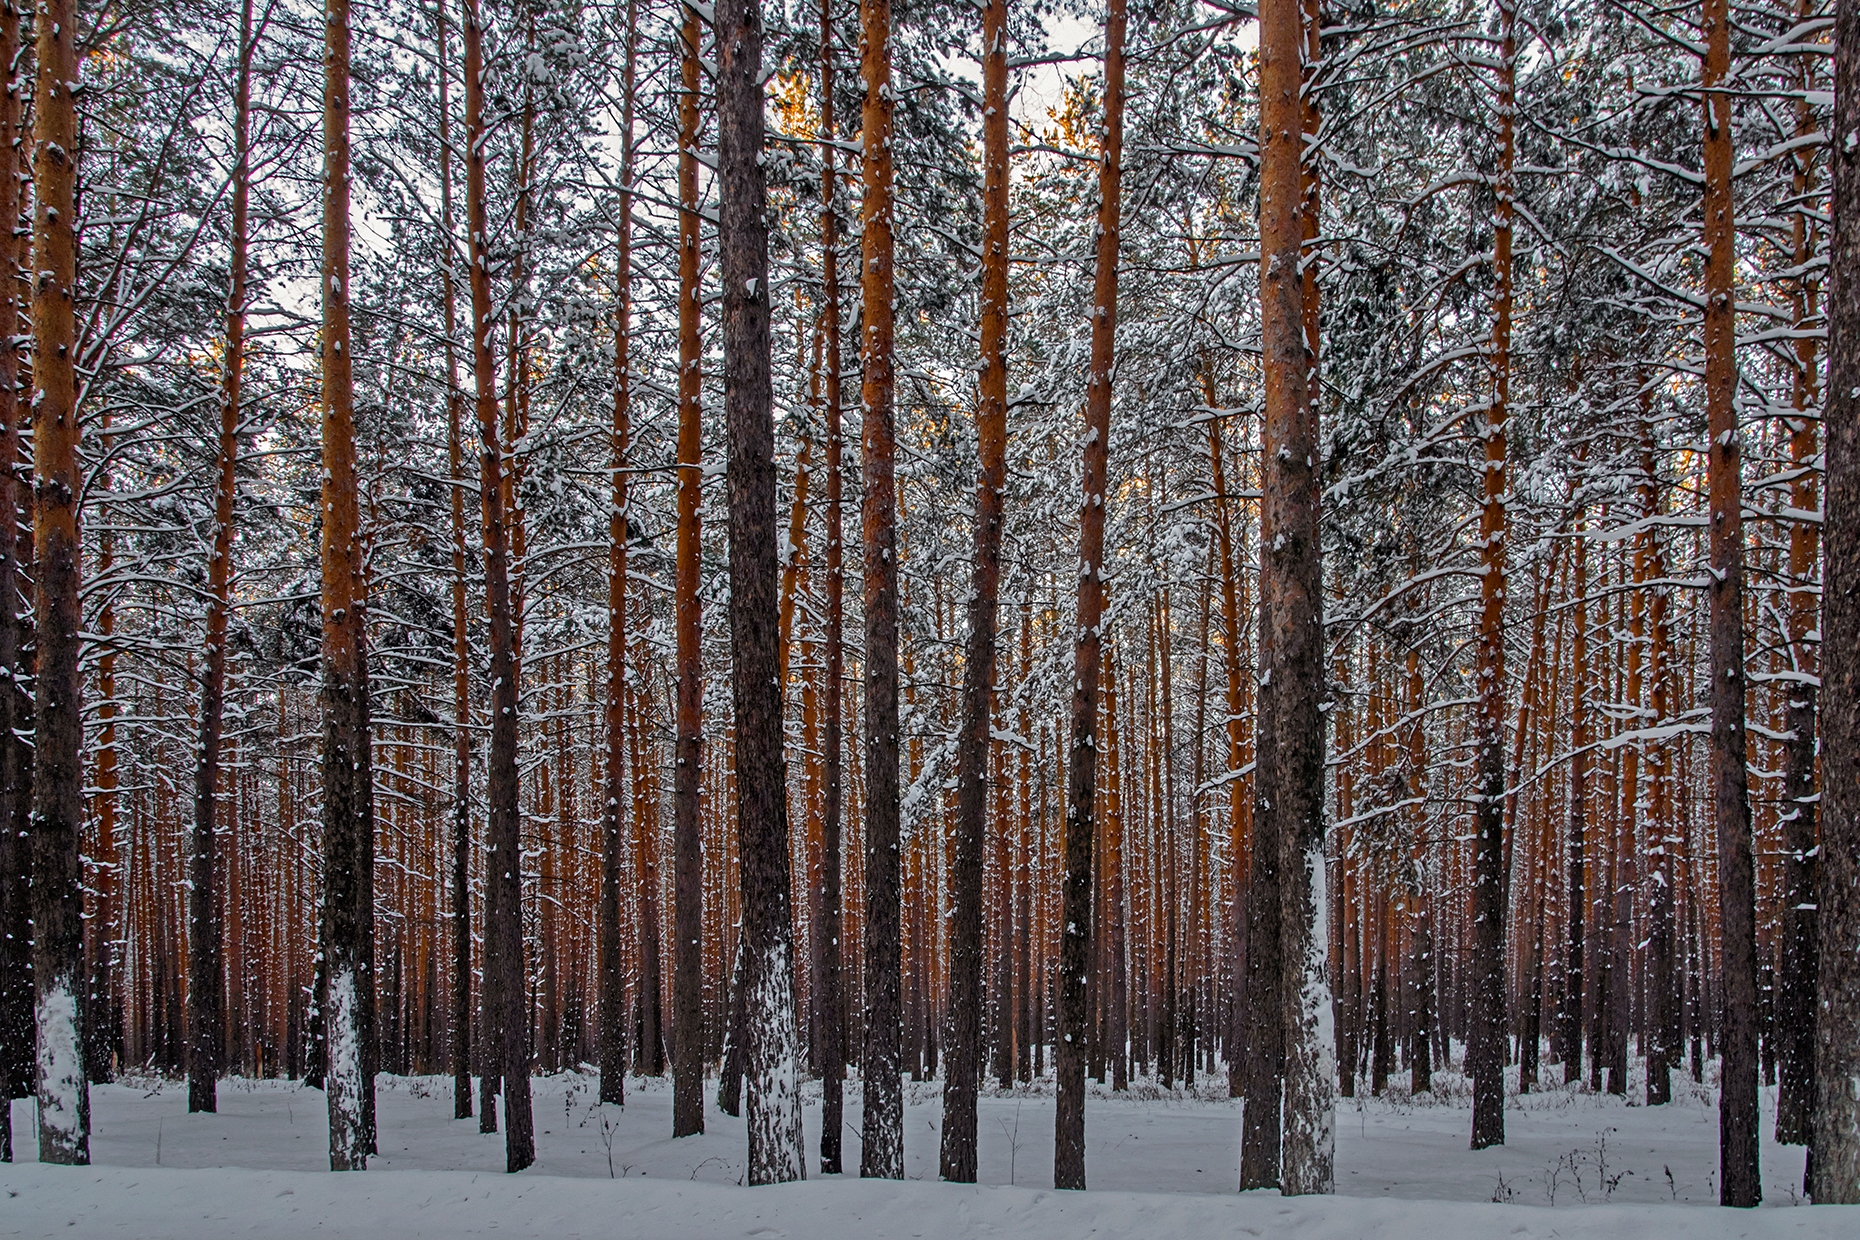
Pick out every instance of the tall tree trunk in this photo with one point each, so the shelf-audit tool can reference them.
(883, 1126)
(1739, 1182)
(16, 997)
(57, 900)
(1421, 919)
(1834, 1175)
(1660, 841)
(1575, 976)
(1282, 308)
(688, 845)
(649, 1048)
(1485, 1051)
(348, 778)
(832, 1003)
(963, 1065)
(205, 990)
(767, 1002)
(1239, 829)
(1075, 943)
(1795, 1015)
(484, 393)
(1290, 788)
(506, 997)
(461, 635)
(612, 1052)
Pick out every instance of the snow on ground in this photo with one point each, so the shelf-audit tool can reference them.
(1159, 1163)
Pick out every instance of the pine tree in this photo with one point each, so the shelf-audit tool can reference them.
(882, 1129)
(1834, 1175)
(688, 875)
(348, 785)
(612, 968)
(1739, 1183)
(506, 997)
(205, 986)
(1088, 655)
(832, 1000)
(962, 1066)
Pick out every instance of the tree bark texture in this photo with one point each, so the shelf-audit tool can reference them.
(205, 991)
(1289, 784)
(506, 995)
(1485, 1050)
(1738, 1183)
(832, 1000)
(687, 832)
(1075, 940)
(348, 788)
(882, 1130)
(612, 1046)
(962, 1062)
(1834, 1175)
(16, 990)
(772, 1045)
(58, 725)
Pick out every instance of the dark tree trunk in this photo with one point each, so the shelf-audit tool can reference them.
(506, 996)
(1291, 764)
(1485, 1052)
(57, 901)
(1076, 939)
(205, 990)
(883, 1127)
(612, 1050)
(348, 946)
(687, 831)
(832, 1002)
(769, 1035)
(1575, 977)
(1795, 1100)
(461, 640)
(963, 1064)
(1834, 1175)
(16, 998)
(1739, 1182)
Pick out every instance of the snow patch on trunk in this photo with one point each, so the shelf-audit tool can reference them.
(1310, 1142)
(775, 1155)
(64, 1094)
(348, 1146)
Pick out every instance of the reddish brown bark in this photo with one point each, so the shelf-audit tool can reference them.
(883, 1126)
(58, 729)
(1835, 1174)
(16, 990)
(348, 781)
(1739, 1183)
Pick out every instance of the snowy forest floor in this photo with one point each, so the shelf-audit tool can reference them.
(1158, 1161)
